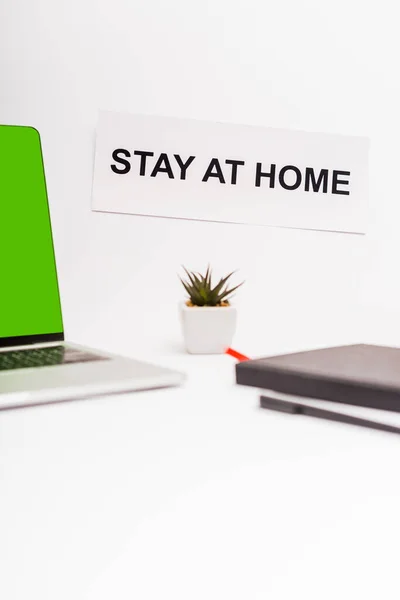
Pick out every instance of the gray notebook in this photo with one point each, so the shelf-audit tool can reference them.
(360, 375)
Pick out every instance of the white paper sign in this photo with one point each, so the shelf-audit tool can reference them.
(232, 173)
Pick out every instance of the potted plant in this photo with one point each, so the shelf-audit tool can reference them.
(208, 319)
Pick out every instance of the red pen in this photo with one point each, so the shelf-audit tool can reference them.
(237, 355)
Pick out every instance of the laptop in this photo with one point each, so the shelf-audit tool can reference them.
(36, 365)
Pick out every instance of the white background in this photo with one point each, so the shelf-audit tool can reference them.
(309, 65)
(104, 484)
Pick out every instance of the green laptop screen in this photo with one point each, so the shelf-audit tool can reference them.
(29, 296)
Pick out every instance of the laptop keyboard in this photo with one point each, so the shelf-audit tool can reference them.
(44, 357)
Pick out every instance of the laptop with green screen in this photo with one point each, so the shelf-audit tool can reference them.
(35, 363)
(29, 301)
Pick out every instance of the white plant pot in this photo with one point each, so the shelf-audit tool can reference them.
(208, 329)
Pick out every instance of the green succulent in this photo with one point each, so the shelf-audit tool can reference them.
(201, 291)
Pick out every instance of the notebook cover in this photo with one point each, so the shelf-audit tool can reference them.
(362, 375)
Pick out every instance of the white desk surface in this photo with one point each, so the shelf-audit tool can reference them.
(194, 493)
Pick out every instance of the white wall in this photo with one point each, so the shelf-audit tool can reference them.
(303, 64)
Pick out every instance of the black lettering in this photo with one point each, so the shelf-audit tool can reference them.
(316, 183)
(184, 166)
(270, 175)
(143, 156)
(158, 168)
(214, 164)
(235, 164)
(282, 174)
(336, 181)
(122, 161)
